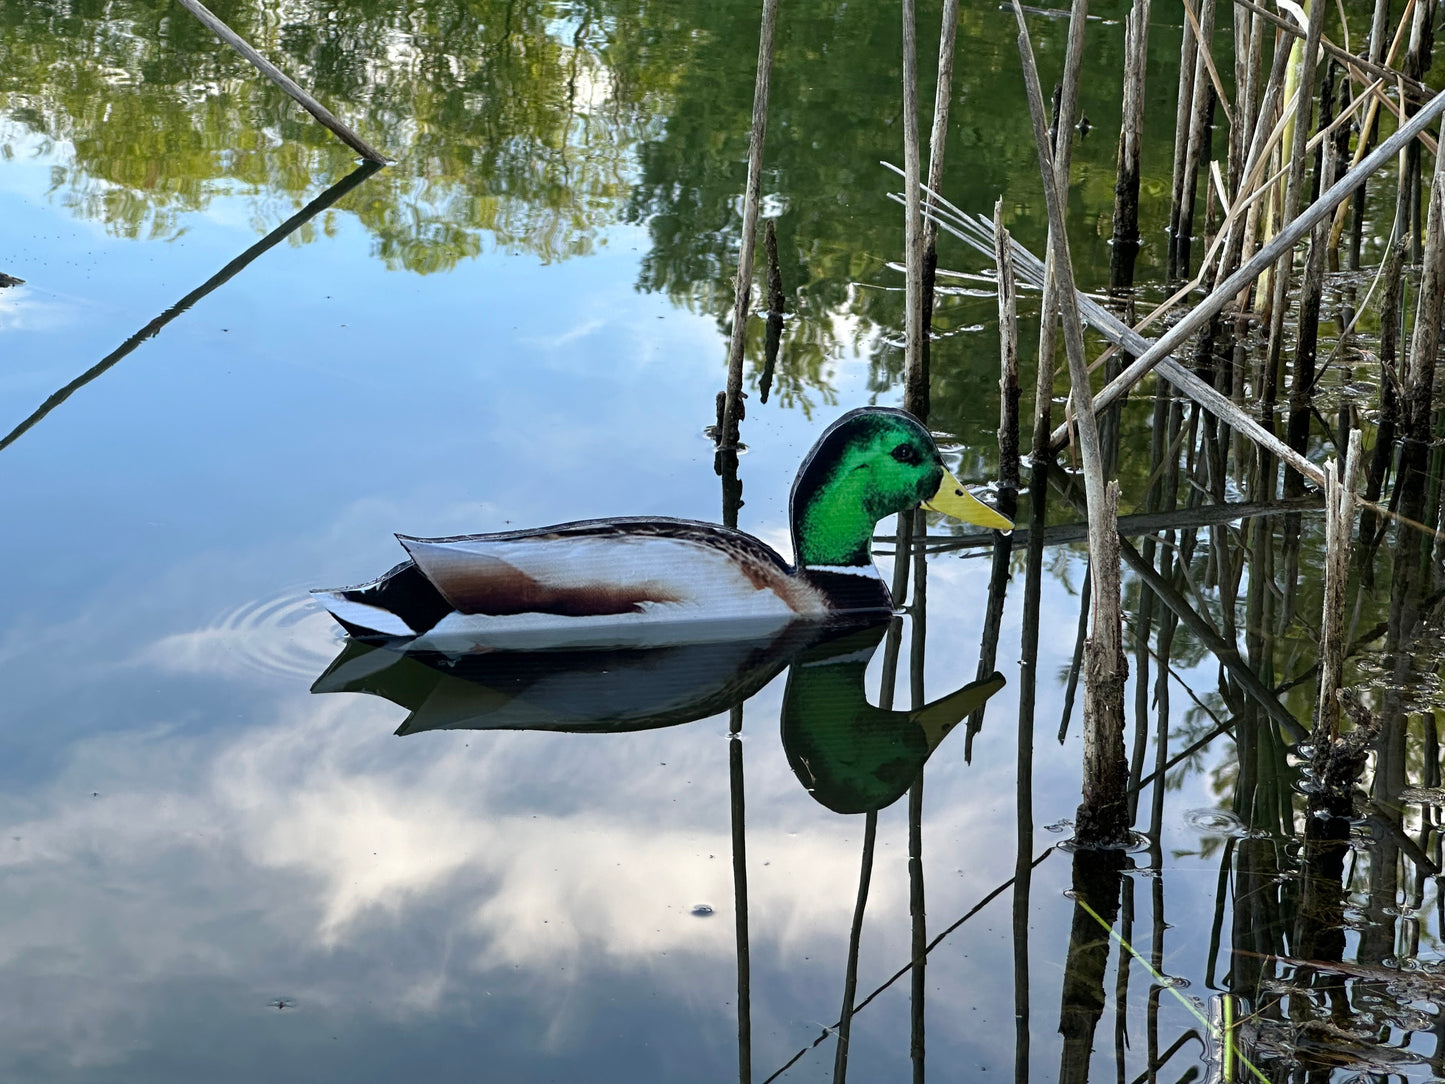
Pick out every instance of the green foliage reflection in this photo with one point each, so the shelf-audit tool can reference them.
(508, 122)
(536, 128)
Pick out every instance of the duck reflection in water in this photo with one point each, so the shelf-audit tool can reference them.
(851, 756)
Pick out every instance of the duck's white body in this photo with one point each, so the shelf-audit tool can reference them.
(620, 582)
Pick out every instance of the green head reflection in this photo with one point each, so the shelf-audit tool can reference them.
(851, 756)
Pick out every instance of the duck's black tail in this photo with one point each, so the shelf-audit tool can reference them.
(402, 602)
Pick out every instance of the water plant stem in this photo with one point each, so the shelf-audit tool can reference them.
(727, 436)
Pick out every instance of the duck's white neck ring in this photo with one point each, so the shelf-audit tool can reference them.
(847, 570)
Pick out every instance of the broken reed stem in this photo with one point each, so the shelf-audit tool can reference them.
(1425, 339)
(1199, 111)
(915, 380)
(727, 436)
(1103, 817)
(1188, 45)
(324, 116)
(1131, 131)
(937, 139)
(1339, 523)
(1008, 330)
(1067, 94)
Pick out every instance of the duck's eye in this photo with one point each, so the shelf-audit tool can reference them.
(907, 453)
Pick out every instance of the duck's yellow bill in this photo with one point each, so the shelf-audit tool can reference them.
(953, 500)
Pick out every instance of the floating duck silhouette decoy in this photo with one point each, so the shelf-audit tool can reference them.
(645, 581)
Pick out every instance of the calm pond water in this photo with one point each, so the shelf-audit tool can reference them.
(209, 872)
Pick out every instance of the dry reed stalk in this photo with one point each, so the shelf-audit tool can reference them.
(727, 436)
(1417, 59)
(915, 392)
(1282, 271)
(1131, 131)
(1339, 523)
(1199, 111)
(1425, 339)
(938, 135)
(1203, 26)
(1008, 330)
(1307, 329)
(1062, 149)
(1249, 191)
(1248, 54)
(1188, 45)
(1392, 273)
(1103, 818)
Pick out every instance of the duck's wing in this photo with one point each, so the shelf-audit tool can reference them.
(607, 567)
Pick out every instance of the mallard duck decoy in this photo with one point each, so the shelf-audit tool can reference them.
(657, 580)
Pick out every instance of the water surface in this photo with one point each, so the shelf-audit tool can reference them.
(211, 872)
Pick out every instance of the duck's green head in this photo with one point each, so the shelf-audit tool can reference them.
(869, 464)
